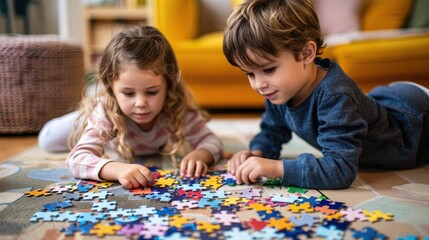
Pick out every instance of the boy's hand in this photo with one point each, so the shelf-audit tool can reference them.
(256, 167)
(236, 160)
(239, 157)
(195, 164)
(129, 175)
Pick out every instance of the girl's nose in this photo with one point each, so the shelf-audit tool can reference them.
(141, 101)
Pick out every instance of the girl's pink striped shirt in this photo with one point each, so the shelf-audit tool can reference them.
(85, 159)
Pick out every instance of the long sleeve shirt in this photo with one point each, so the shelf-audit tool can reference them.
(85, 159)
(388, 128)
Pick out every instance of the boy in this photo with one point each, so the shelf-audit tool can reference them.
(277, 44)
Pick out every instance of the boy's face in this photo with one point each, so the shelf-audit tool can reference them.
(140, 95)
(281, 78)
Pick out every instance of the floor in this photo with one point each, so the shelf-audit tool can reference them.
(12, 145)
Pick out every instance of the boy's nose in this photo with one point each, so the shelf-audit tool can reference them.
(259, 83)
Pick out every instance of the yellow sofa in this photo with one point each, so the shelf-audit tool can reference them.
(216, 84)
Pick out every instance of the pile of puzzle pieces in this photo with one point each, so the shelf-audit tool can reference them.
(288, 213)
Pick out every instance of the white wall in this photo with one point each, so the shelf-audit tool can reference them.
(63, 17)
(71, 19)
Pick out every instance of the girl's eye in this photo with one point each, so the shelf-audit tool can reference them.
(270, 70)
(128, 94)
(152, 93)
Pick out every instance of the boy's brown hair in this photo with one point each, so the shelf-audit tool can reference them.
(264, 27)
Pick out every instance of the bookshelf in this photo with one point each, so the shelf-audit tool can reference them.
(101, 23)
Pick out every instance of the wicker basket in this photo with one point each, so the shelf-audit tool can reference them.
(41, 77)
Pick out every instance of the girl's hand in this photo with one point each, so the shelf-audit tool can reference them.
(256, 167)
(129, 175)
(195, 164)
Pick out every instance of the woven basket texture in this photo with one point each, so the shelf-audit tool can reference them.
(40, 78)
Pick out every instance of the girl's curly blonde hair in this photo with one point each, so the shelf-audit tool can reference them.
(146, 48)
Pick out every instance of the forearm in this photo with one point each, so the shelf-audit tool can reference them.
(328, 172)
(110, 170)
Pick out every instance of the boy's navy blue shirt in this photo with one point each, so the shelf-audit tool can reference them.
(388, 128)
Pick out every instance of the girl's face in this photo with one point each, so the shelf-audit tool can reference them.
(281, 78)
(140, 95)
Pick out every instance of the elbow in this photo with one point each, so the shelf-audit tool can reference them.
(344, 181)
(345, 176)
(70, 166)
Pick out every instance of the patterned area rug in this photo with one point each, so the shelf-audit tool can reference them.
(393, 204)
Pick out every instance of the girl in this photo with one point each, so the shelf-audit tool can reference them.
(145, 105)
(276, 43)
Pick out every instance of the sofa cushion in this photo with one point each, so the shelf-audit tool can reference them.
(385, 14)
(201, 57)
(419, 17)
(401, 58)
(338, 16)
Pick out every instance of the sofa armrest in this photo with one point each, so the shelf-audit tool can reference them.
(176, 19)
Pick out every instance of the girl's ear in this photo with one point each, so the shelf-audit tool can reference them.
(309, 52)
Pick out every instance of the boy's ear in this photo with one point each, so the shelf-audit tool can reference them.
(309, 52)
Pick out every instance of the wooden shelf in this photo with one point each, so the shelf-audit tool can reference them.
(106, 13)
(101, 23)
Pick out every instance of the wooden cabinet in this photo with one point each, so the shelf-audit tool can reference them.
(101, 23)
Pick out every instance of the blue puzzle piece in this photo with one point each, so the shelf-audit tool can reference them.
(127, 220)
(167, 211)
(91, 217)
(265, 216)
(84, 187)
(330, 233)
(53, 206)
(368, 233)
(44, 216)
(85, 229)
(213, 203)
(66, 216)
(104, 205)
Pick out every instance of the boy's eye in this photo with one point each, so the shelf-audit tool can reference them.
(270, 70)
(250, 75)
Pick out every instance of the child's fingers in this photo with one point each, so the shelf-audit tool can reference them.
(199, 168)
(234, 163)
(243, 157)
(144, 180)
(245, 175)
(242, 175)
(254, 176)
(238, 178)
(126, 183)
(183, 166)
(145, 177)
(205, 170)
(190, 168)
(231, 166)
(129, 183)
